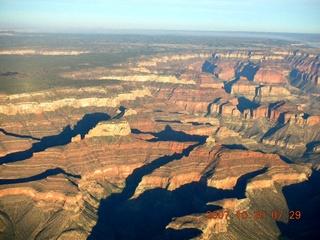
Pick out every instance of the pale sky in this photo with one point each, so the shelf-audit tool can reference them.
(297, 16)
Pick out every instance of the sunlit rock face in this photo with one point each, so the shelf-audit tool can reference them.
(109, 129)
(9, 107)
(146, 147)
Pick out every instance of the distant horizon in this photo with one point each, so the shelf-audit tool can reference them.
(96, 16)
(149, 31)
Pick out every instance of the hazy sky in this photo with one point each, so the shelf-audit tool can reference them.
(302, 16)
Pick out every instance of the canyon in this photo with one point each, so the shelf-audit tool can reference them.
(144, 148)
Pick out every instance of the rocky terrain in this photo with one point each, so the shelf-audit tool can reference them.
(159, 142)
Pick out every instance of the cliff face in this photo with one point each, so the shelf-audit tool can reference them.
(265, 75)
(245, 88)
(263, 93)
(9, 108)
(306, 71)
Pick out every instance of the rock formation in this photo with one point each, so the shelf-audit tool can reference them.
(9, 108)
(109, 129)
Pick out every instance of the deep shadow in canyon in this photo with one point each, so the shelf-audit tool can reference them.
(18, 135)
(245, 103)
(168, 134)
(311, 145)
(305, 198)
(40, 176)
(249, 71)
(235, 146)
(9, 74)
(208, 67)
(184, 234)
(228, 85)
(145, 216)
(83, 126)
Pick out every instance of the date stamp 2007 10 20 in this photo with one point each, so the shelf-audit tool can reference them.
(256, 215)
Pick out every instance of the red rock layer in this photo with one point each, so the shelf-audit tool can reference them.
(266, 75)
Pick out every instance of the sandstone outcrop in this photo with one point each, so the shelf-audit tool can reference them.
(76, 138)
(261, 111)
(110, 129)
(37, 108)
